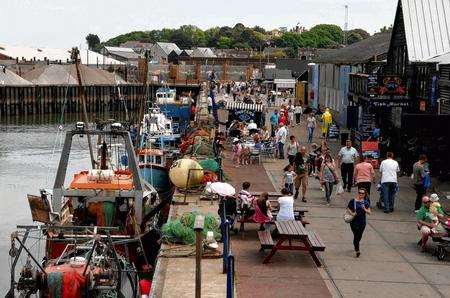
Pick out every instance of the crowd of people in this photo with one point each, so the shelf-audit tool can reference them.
(335, 173)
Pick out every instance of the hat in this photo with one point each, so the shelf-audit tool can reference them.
(425, 199)
(434, 198)
(235, 140)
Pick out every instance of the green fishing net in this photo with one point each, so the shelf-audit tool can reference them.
(181, 230)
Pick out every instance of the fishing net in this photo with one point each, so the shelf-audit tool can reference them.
(209, 164)
(182, 230)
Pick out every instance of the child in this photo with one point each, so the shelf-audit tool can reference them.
(245, 156)
(237, 149)
(288, 178)
(435, 207)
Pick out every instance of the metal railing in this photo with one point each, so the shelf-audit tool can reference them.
(228, 258)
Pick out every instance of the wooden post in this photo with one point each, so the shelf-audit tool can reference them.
(198, 228)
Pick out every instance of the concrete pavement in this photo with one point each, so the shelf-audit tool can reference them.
(390, 264)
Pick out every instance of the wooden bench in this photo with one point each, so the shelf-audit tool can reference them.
(315, 241)
(265, 238)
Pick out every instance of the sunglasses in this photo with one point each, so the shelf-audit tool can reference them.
(362, 193)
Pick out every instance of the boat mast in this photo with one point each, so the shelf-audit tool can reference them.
(75, 57)
(144, 74)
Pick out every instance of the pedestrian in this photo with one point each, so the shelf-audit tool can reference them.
(313, 154)
(281, 137)
(210, 104)
(389, 169)
(364, 174)
(236, 150)
(298, 111)
(359, 207)
(292, 149)
(310, 126)
(327, 119)
(347, 157)
(419, 179)
(288, 178)
(328, 176)
(301, 170)
(263, 214)
(283, 118)
(274, 122)
(291, 110)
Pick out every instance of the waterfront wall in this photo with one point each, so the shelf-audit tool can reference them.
(36, 100)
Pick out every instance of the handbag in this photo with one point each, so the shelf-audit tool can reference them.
(348, 217)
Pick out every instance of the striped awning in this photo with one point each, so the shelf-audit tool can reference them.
(245, 106)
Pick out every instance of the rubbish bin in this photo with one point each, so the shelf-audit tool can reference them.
(344, 137)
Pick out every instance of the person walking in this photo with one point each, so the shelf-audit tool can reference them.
(301, 170)
(291, 111)
(298, 111)
(389, 169)
(359, 207)
(364, 174)
(281, 137)
(274, 122)
(418, 180)
(310, 126)
(210, 104)
(327, 119)
(347, 157)
(328, 176)
(292, 149)
(288, 178)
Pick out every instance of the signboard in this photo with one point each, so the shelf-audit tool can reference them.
(372, 85)
(392, 104)
(372, 149)
(391, 85)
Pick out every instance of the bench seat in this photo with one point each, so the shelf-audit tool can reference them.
(265, 238)
(315, 241)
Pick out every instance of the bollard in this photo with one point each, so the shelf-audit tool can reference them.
(198, 228)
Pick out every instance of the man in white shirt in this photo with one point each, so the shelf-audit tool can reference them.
(281, 137)
(298, 111)
(347, 157)
(389, 169)
(210, 104)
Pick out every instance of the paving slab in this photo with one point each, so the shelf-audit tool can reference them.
(353, 288)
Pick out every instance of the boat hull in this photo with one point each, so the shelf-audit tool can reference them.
(158, 177)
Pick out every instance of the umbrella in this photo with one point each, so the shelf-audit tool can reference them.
(222, 189)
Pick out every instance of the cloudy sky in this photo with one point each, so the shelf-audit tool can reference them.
(65, 23)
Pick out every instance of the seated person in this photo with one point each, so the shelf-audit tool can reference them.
(262, 210)
(230, 210)
(436, 207)
(245, 200)
(426, 222)
(286, 203)
(252, 127)
(234, 130)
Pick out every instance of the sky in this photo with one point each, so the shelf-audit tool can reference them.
(65, 23)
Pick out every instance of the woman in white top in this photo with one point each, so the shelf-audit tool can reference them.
(286, 203)
(292, 149)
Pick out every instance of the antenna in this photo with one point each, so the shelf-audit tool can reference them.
(346, 25)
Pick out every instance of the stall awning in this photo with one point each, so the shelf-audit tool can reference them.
(285, 83)
(245, 106)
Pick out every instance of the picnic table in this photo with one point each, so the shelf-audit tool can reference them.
(292, 231)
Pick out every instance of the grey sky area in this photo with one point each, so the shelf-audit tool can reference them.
(65, 23)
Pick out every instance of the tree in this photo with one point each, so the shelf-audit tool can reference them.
(224, 42)
(93, 42)
(385, 29)
(354, 38)
(363, 33)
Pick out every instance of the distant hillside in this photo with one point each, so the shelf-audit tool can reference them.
(242, 37)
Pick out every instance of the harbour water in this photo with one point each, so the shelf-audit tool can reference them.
(29, 154)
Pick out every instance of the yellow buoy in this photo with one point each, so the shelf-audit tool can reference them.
(179, 172)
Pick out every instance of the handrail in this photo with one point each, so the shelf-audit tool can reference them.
(228, 258)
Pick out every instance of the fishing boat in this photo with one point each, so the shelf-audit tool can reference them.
(176, 108)
(97, 227)
(157, 151)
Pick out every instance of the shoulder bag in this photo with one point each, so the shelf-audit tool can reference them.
(348, 217)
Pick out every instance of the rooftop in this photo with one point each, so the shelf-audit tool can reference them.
(57, 74)
(203, 53)
(63, 55)
(9, 78)
(359, 52)
(297, 66)
(168, 47)
(427, 28)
